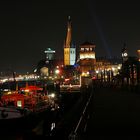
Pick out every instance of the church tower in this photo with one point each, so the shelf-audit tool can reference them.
(69, 48)
(124, 54)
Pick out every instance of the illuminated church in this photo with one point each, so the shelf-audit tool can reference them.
(87, 62)
(69, 48)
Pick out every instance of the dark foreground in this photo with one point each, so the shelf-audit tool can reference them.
(114, 113)
(111, 113)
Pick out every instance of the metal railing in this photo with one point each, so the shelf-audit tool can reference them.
(74, 134)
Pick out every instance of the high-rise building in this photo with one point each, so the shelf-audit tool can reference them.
(49, 54)
(69, 48)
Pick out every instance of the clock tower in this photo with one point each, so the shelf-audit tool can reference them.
(124, 54)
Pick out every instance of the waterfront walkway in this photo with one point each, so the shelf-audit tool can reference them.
(113, 113)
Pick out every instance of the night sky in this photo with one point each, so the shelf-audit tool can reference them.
(28, 28)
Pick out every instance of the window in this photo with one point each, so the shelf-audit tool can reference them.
(87, 49)
(82, 49)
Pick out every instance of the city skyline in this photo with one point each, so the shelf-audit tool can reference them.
(28, 28)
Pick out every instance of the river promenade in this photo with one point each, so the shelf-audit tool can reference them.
(114, 113)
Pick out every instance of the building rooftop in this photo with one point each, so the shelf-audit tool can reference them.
(86, 43)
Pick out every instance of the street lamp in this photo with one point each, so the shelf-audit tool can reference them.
(57, 71)
(97, 72)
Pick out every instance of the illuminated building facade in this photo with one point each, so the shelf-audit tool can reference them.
(49, 54)
(106, 69)
(69, 48)
(100, 68)
(87, 58)
(87, 51)
(130, 69)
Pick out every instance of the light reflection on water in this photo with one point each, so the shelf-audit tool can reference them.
(52, 126)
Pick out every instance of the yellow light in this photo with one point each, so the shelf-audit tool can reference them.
(83, 74)
(57, 71)
(119, 67)
(97, 71)
(26, 90)
(52, 95)
(88, 73)
(9, 92)
(113, 68)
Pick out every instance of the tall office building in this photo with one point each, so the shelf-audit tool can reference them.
(49, 54)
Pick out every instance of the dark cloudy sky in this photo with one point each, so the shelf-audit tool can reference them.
(28, 27)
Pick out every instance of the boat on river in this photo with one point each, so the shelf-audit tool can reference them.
(25, 108)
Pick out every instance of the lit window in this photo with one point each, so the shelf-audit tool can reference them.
(19, 103)
(82, 49)
(87, 49)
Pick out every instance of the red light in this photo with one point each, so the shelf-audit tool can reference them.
(93, 77)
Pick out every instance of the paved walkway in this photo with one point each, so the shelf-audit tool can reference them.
(114, 113)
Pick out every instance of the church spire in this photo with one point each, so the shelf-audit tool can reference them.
(68, 37)
(69, 18)
(69, 50)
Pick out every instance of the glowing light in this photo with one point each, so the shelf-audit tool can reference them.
(113, 68)
(6, 90)
(4, 80)
(83, 73)
(57, 71)
(125, 54)
(35, 70)
(119, 67)
(88, 73)
(52, 95)
(97, 71)
(67, 80)
(26, 90)
(9, 92)
(19, 103)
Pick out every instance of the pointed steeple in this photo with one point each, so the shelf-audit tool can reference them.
(69, 30)
(69, 49)
(69, 18)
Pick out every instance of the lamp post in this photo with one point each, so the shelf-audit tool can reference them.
(97, 72)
